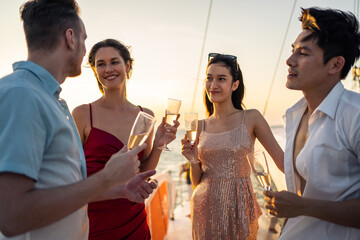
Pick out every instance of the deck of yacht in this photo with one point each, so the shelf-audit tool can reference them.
(180, 227)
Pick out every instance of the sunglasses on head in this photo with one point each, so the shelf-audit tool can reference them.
(212, 55)
(231, 57)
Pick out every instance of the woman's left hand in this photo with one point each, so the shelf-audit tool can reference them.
(165, 133)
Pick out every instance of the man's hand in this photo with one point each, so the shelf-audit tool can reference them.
(284, 204)
(138, 189)
(122, 166)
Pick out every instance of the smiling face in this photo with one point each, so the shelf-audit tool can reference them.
(219, 83)
(307, 70)
(110, 68)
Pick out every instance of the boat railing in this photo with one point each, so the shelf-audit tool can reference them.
(160, 205)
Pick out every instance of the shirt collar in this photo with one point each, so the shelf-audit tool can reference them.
(42, 74)
(331, 101)
(327, 106)
(301, 104)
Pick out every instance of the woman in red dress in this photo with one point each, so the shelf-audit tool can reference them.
(104, 127)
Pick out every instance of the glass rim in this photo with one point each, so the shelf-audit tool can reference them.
(174, 99)
(146, 115)
(256, 151)
(259, 151)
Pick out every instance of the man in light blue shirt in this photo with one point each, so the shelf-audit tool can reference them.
(43, 184)
(322, 153)
(40, 122)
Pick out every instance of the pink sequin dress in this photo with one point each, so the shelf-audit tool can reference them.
(223, 205)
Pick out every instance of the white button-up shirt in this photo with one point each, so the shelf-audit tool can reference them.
(329, 161)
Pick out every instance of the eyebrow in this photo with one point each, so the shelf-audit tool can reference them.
(303, 47)
(220, 75)
(114, 58)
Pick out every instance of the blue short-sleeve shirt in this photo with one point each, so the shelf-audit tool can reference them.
(38, 137)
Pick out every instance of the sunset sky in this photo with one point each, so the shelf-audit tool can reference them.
(166, 38)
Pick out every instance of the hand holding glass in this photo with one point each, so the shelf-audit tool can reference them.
(191, 125)
(171, 113)
(172, 110)
(143, 125)
(260, 168)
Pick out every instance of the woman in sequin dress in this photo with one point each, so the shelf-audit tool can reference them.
(223, 204)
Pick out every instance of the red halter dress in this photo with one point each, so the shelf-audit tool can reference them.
(118, 218)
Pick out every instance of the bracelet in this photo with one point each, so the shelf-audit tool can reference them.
(160, 148)
(194, 162)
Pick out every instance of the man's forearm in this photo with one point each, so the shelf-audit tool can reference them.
(346, 213)
(24, 208)
(113, 193)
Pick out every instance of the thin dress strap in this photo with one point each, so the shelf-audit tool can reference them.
(141, 109)
(243, 117)
(91, 124)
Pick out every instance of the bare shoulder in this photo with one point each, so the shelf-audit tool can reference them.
(252, 114)
(148, 111)
(81, 115)
(253, 119)
(81, 111)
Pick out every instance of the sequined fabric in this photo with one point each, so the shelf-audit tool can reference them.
(223, 205)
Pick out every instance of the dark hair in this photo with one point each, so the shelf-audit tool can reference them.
(336, 32)
(120, 47)
(235, 71)
(45, 21)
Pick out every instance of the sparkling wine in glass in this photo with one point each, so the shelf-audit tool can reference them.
(191, 125)
(143, 125)
(260, 168)
(171, 113)
(170, 118)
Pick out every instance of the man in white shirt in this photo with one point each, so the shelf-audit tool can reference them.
(322, 154)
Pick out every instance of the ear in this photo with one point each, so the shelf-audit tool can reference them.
(336, 64)
(127, 66)
(70, 38)
(235, 85)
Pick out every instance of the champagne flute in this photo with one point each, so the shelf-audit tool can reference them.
(171, 113)
(191, 125)
(143, 125)
(260, 168)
